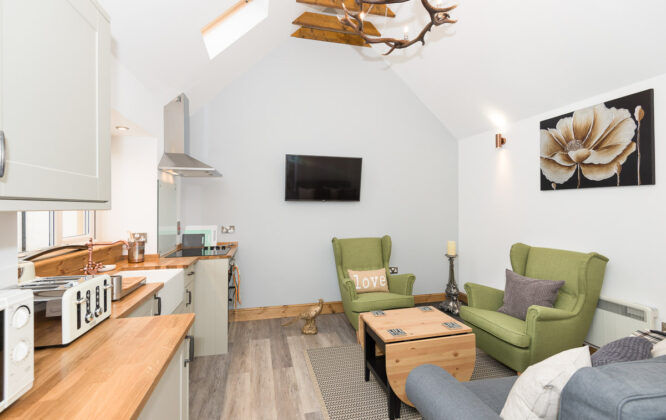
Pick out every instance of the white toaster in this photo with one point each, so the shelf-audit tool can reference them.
(68, 307)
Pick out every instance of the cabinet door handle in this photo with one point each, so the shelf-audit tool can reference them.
(2, 154)
(159, 305)
(189, 297)
(191, 355)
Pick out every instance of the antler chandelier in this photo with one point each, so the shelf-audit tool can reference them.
(354, 20)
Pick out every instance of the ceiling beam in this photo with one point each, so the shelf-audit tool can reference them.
(331, 23)
(377, 9)
(329, 36)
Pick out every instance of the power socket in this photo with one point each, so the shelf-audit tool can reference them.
(228, 229)
(393, 270)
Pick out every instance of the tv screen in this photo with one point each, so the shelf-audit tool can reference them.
(322, 178)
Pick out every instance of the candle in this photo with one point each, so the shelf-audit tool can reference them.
(451, 248)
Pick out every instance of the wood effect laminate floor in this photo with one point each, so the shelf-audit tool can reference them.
(264, 375)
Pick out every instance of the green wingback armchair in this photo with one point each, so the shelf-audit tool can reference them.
(545, 331)
(369, 254)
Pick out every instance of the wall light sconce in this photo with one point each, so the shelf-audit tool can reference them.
(500, 140)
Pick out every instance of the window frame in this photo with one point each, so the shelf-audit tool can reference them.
(56, 228)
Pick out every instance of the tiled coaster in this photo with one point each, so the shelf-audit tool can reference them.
(426, 308)
(397, 332)
(378, 313)
(452, 325)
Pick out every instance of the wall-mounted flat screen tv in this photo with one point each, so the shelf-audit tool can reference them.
(322, 178)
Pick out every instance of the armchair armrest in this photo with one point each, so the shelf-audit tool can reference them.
(439, 396)
(350, 287)
(484, 297)
(536, 313)
(553, 330)
(401, 283)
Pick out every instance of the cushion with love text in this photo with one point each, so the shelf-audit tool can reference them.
(369, 280)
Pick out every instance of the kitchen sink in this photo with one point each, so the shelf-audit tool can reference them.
(174, 285)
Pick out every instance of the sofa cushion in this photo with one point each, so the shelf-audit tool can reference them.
(522, 292)
(367, 302)
(659, 349)
(625, 349)
(505, 327)
(536, 393)
(493, 391)
(623, 391)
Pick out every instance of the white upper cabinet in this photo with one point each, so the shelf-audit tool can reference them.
(54, 105)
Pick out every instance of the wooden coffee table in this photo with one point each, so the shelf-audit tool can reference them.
(424, 340)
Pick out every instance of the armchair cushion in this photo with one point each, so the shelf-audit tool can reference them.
(367, 302)
(522, 292)
(505, 327)
(369, 280)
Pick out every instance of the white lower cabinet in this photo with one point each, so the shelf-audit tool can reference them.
(170, 399)
(211, 296)
(147, 308)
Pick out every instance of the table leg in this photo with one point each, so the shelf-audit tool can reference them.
(394, 404)
(370, 355)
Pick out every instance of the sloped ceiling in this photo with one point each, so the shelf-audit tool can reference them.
(506, 59)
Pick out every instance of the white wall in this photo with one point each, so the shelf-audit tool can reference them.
(133, 191)
(133, 100)
(500, 203)
(323, 99)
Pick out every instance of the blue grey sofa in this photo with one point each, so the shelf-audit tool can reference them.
(629, 390)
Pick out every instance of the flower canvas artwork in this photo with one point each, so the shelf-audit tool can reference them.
(606, 145)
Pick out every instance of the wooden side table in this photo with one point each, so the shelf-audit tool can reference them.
(422, 338)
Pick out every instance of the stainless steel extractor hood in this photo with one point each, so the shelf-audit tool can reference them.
(176, 159)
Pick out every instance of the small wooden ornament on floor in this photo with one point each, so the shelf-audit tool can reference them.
(310, 317)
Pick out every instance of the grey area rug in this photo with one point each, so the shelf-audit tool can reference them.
(337, 373)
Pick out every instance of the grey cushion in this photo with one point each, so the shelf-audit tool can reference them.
(522, 292)
(492, 392)
(439, 396)
(621, 391)
(625, 349)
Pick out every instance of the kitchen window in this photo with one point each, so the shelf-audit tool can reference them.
(42, 229)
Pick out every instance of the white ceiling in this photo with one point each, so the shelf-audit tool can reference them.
(506, 59)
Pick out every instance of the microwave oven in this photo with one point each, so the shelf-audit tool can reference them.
(17, 366)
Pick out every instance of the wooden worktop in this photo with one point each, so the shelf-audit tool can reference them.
(110, 372)
(125, 306)
(155, 262)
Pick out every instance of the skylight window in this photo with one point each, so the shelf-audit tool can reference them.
(233, 24)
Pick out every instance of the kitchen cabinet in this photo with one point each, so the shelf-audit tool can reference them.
(211, 297)
(190, 275)
(170, 399)
(54, 105)
(147, 308)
